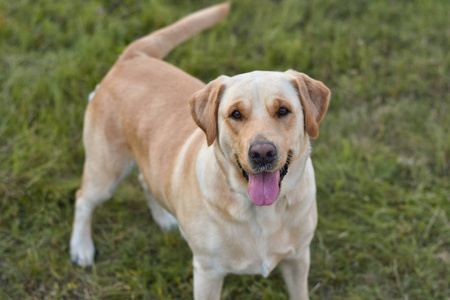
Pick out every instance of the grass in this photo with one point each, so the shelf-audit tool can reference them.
(382, 159)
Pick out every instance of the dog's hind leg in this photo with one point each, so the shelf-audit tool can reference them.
(161, 216)
(106, 165)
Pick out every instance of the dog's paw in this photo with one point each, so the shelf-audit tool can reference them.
(82, 253)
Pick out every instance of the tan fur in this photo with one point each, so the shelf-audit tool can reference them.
(315, 97)
(141, 116)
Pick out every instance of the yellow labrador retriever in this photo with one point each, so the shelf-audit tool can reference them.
(244, 196)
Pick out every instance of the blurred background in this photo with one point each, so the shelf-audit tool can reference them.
(382, 158)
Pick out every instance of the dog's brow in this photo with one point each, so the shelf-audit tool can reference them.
(235, 105)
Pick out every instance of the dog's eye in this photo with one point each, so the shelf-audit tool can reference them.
(236, 115)
(282, 111)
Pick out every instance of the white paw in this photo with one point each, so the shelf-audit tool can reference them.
(82, 253)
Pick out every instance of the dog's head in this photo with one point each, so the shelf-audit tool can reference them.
(260, 121)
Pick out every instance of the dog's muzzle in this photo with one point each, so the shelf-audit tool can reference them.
(283, 170)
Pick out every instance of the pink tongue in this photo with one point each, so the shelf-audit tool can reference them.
(263, 187)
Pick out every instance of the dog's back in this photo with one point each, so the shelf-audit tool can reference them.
(141, 100)
(147, 99)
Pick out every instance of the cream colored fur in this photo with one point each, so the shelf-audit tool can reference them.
(187, 155)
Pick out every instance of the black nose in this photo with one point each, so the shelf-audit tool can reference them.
(262, 153)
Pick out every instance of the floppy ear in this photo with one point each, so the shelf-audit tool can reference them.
(314, 96)
(204, 106)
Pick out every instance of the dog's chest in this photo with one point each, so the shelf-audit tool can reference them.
(257, 248)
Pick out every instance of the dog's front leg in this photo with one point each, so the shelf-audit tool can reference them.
(207, 282)
(295, 273)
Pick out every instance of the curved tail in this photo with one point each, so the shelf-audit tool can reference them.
(159, 43)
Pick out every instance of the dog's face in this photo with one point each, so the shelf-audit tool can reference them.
(260, 121)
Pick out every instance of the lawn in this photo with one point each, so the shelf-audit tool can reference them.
(382, 159)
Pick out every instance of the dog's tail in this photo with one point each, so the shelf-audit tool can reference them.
(159, 43)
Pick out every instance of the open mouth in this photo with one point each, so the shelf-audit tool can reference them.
(283, 170)
(264, 187)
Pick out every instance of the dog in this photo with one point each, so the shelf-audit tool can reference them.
(228, 162)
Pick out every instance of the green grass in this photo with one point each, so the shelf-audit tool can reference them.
(382, 159)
